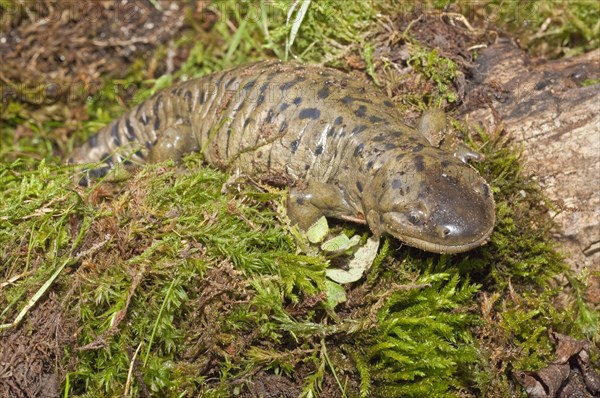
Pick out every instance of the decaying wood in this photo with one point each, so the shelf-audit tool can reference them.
(545, 107)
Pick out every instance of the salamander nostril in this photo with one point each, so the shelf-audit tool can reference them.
(444, 231)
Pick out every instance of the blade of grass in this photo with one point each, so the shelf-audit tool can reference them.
(235, 41)
(296, 25)
(162, 307)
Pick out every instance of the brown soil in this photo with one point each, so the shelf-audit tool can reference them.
(31, 362)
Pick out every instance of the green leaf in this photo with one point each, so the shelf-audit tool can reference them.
(363, 258)
(318, 231)
(339, 243)
(336, 294)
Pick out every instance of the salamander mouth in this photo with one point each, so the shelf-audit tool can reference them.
(437, 247)
(409, 235)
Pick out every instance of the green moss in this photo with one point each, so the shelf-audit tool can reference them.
(440, 70)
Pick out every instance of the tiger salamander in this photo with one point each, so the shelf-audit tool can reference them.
(340, 144)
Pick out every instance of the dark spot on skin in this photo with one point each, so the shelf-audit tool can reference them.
(323, 93)
(379, 138)
(389, 146)
(445, 163)
(330, 131)
(397, 134)
(138, 109)
(375, 119)
(359, 186)
(260, 99)
(370, 165)
(306, 167)
(144, 120)
(264, 87)
(201, 97)
(284, 106)
(107, 158)
(419, 163)
(84, 181)
(230, 82)
(361, 111)
(93, 140)
(149, 144)
(155, 109)
(297, 100)
(270, 115)
(114, 132)
(188, 99)
(139, 154)
(283, 126)
(294, 146)
(389, 104)
(247, 122)
(130, 132)
(319, 150)
(156, 104)
(396, 184)
(156, 122)
(339, 120)
(309, 113)
(399, 157)
(288, 85)
(99, 172)
(359, 129)
(418, 148)
(249, 85)
(359, 148)
(347, 100)
(300, 201)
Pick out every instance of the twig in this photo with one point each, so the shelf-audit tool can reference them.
(130, 372)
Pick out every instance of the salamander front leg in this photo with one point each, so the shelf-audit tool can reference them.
(312, 200)
(174, 142)
(433, 125)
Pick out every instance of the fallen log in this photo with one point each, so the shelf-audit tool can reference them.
(552, 109)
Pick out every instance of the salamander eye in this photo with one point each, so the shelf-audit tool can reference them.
(416, 216)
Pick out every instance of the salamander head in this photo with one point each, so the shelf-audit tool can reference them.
(431, 201)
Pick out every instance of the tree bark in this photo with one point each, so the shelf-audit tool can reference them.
(545, 107)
